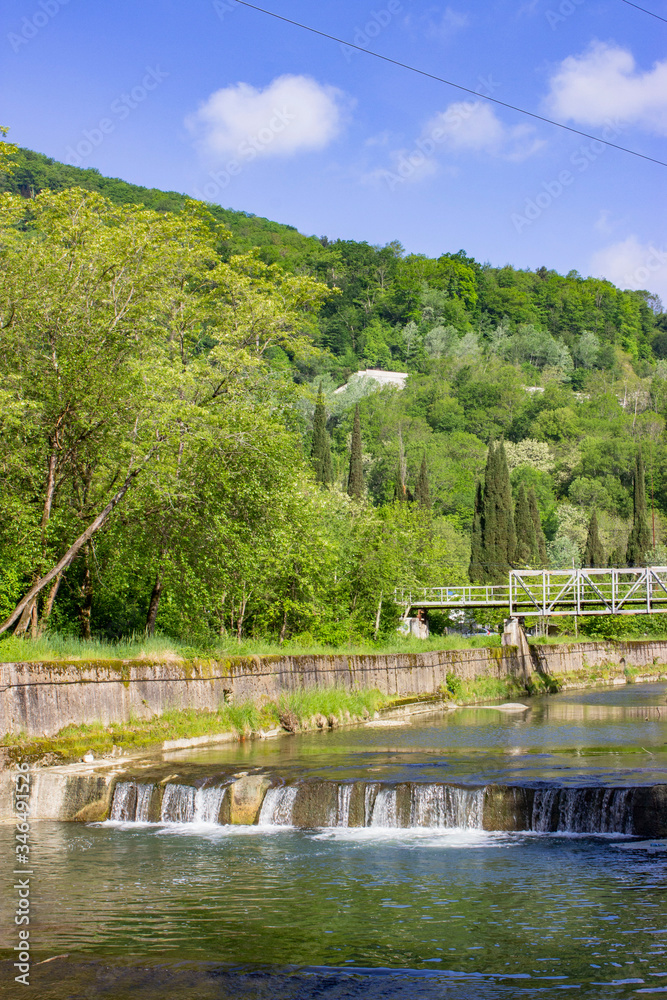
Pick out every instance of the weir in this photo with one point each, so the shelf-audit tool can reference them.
(406, 805)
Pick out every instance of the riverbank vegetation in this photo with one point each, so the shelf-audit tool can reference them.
(177, 457)
(317, 708)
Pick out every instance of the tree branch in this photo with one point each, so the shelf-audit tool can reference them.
(74, 549)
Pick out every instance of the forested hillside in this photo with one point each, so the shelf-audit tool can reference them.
(176, 351)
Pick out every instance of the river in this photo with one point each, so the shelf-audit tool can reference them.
(372, 871)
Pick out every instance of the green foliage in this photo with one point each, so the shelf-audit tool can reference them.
(594, 553)
(143, 335)
(526, 542)
(639, 541)
(320, 452)
(494, 537)
(355, 479)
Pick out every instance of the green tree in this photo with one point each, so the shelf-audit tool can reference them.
(540, 554)
(639, 541)
(320, 452)
(423, 491)
(593, 552)
(355, 479)
(526, 542)
(494, 537)
(476, 568)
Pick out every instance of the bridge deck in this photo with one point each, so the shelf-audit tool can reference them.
(548, 593)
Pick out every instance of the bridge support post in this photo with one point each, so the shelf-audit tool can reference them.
(514, 635)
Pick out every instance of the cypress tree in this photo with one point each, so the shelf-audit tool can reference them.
(355, 479)
(639, 541)
(498, 538)
(526, 543)
(423, 492)
(489, 545)
(617, 558)
(476, 569)
(508, 537)
(320, 453)
(540, 555)
(593, 552)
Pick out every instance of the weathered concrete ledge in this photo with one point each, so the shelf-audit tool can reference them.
(40, 699)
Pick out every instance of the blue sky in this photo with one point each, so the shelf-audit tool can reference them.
(220, 101)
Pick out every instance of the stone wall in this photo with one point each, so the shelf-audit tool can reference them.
(42, 698)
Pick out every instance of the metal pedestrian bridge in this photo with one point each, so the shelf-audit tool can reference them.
(548, 593)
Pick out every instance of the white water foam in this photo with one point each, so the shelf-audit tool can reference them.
(208, 802)
(178, 804)
(583, 810)
(277, 806)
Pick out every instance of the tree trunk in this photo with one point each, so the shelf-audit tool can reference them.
(242, 607)
(74, 549)
(25, 618)
(377, 618)
(85, 613)
(154, 604)
(48, 607)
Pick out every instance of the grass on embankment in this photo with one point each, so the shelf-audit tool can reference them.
(156, 648)
(243, 720)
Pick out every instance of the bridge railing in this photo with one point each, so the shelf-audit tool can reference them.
(635, 590)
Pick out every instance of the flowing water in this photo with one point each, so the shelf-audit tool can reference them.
(373, 869)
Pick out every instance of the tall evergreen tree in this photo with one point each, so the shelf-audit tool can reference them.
(540, 556)
(423, 491)
(355, 479)
(639, 541)
(320, 453)
(593, 552)
(506, 507)
(617, 558)
(476, 568)
(498, 538)
(526, 543)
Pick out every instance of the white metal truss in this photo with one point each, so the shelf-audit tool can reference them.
(548, 593)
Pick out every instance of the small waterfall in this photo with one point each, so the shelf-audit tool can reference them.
(370, 794)
(277, 806)
(144, 796)
(124, 803)
(385, 809)
(208, 802)
(343, 806)
(446, 806)
(178, 804)
(583, 810)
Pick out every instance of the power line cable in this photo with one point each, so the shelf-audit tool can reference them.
(644, 10)
(450, 83)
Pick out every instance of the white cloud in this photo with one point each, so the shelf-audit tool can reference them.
(603, 223)
(292, 114)
(604, 83)
(474, 126)
(435, 22)
(634, 265)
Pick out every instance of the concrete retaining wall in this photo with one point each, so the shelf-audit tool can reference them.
(42, 698)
